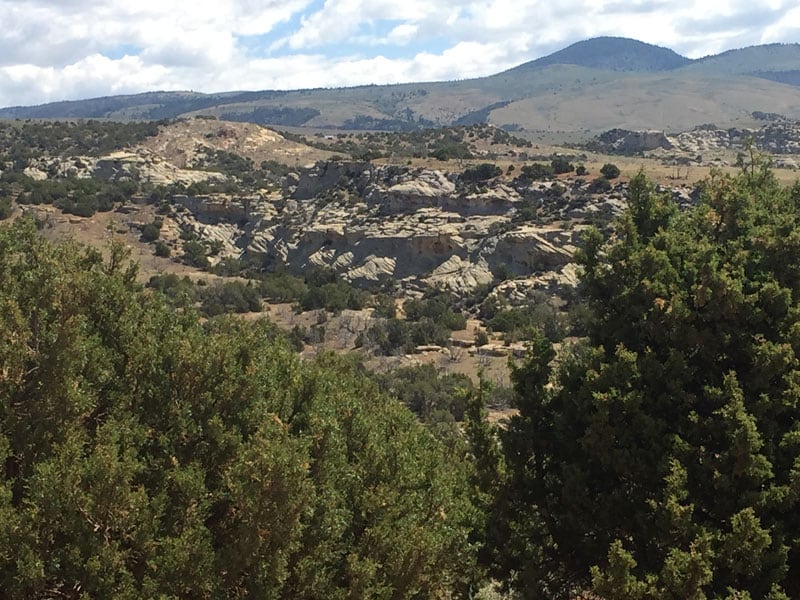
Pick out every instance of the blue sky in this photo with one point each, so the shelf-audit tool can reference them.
(69, 49)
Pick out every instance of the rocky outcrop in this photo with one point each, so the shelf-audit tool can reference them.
(219, 208)
(780, 137)
(531, 249)
(384, 224)
(429, 189)
(329, 175)
(623, 141)
(417, 228)
(117, 166)
(707, 144)
(459, 276)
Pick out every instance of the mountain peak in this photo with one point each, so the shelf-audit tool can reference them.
(613, 54)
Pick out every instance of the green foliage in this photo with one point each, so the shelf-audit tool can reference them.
(179, 291)
(481, 172)
(215, 247)
(320, 288)
(395, 336)
(439, 308)
(5, 208)
(147, 455)
(560, 165)
(233, 266)
(516, 323)
(283, 287)
(81, 197)
(152, 231)
(427, 392)
(195, 253)
(32, 139)
(661, 459)
(600, 185)
(427, 321)
(502, 272)
(268, 115)
(334, 296)
(280, 286)
(162, 250)
(230, 297)
(609, 171)
(223, 161)
(448, 150)
(385, 306)
(528, 209)
(275, 168)
(410, 136)
(366, 154)
(536, 171)
(490, 473)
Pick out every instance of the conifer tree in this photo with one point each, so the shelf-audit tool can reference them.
(148, 455)
(661, 458)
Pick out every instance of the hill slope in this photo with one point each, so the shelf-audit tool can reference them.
(768, 58)
(583, 89)
(612, 54)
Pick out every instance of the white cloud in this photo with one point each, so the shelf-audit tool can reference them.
(337, 20)
(61, 49)
(92, 76)
(402, 34)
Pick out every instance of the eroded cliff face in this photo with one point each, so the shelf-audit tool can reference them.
(707, 144)
(416, 228)
(139, 163)
(413, 228)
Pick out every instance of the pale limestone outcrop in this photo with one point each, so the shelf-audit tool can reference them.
(418, 228)
(623, 141)
(459, 276)
(140, 164)
(35, 173)
(778, 137)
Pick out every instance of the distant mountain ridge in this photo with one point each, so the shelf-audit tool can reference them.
(766, 58)
(612, 54)
(585, 88)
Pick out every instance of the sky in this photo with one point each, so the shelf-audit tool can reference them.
(54, 50)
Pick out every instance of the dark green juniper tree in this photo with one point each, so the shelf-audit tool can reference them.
(661, 458)
(146, 455)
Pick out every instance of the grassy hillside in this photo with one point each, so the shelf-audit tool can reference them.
(755, 59)
(612, 54)
(588, 87)
(669, 102)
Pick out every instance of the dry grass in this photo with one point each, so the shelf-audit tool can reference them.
(178, 143)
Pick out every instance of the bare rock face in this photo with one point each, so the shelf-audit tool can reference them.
(416, 228)
(785, 163)
(375, 224)
(425, 228)
(144, 165)
(623, 141)
(427, 190)
(372, 270)
(779, 137)
(35, 174)
(459, 276)
(218, 208)
(140, 164)
(325, 176)
(530, 249)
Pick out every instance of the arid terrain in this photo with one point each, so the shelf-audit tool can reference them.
(533, 335)
(404, 224)
(570, 95)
